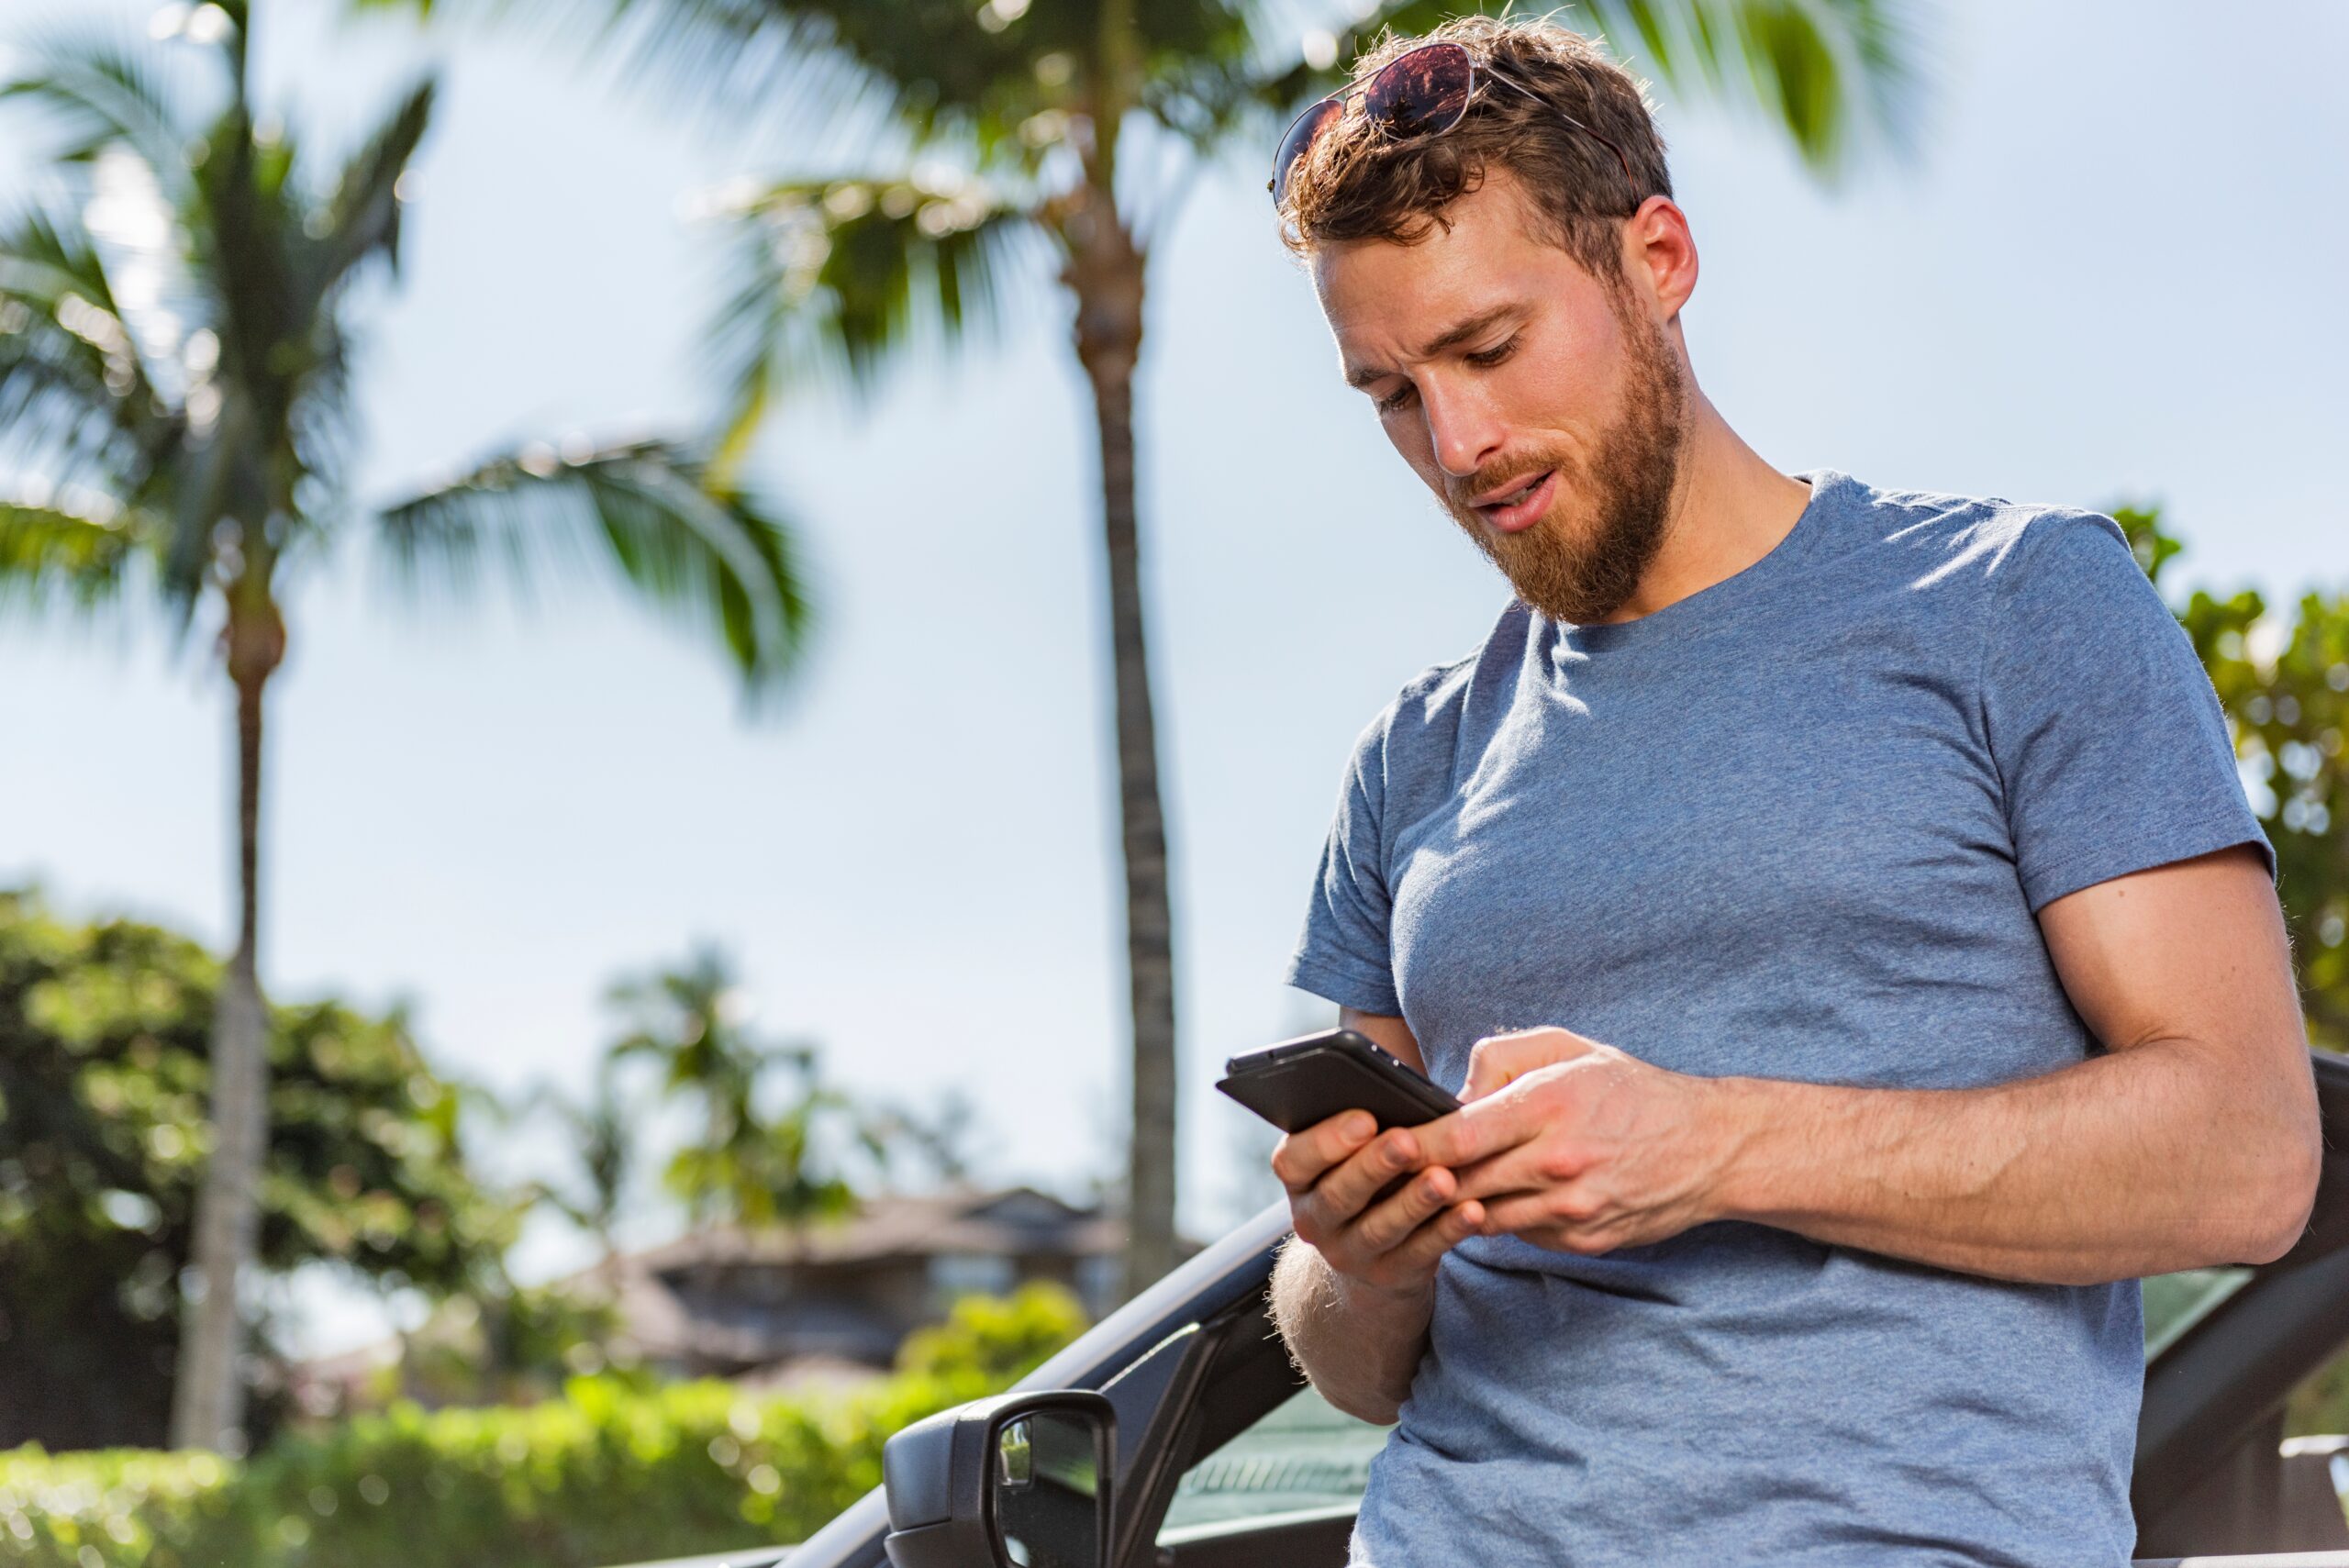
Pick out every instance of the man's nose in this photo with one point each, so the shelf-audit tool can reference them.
(1461, 429)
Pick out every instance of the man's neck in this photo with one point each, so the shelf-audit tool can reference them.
(1728, 510)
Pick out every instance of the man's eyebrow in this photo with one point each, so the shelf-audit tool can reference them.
(1450, 337)
(1476, 326)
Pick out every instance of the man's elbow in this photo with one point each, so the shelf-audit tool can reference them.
(2281, 1195)
(1375, 1409)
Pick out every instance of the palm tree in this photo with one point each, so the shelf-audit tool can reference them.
(749, 1165)
(599, 1131)
(1069, 130)
(176, 393)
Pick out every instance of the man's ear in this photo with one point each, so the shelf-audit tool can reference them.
(1660, 253)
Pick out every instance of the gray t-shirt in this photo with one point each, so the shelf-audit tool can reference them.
(1795, 826)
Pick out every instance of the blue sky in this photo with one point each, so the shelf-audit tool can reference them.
(2111, 271)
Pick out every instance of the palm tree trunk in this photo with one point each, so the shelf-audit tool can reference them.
(1106, 271)
(208, 1395)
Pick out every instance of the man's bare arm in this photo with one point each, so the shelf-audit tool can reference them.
(2192, 1141)
(1353, 1292)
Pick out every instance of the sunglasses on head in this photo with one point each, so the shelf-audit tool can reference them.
(1422, 93)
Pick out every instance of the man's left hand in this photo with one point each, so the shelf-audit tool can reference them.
(1576, 1147)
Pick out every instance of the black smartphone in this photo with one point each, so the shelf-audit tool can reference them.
(1315, 1077)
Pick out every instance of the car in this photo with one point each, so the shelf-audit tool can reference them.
(1178, 1434)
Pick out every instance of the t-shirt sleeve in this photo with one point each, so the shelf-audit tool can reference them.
(2109, 742)
(1343, 953)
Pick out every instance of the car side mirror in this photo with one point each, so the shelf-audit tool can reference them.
(1017, 1481)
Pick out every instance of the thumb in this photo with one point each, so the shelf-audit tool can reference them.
(1498, 1058)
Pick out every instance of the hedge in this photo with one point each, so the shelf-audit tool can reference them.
(610, 1473)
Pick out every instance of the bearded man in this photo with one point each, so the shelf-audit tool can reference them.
(1837, 905)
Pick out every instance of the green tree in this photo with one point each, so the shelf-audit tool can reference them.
(501, 1344)
(106, 1034)
(751, 1164)
(176, 377)
(599, 1133)
(2286, 689)
(1067, 132)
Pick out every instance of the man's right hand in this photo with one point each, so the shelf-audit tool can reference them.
(1337, 1172)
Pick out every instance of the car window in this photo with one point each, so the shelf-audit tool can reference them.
(2174, 1302)
(1305, 1456)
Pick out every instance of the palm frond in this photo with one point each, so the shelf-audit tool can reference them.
(832, 278)
(57, 419)
(50, 554)
(705, 555)
(1828, 72)
(144, 249)
(933, 67)
(265, 323)
(1217, 68)
(360, 220)
(76, 402)
(720, 61)
(97, 94)
(1832, 74)
(207, 480)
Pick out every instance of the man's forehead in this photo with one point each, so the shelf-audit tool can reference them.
(1387, 302)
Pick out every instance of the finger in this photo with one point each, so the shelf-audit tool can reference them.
(1478, 1131)
(1301, 1158)
(1431, 1240)
(1497, 1057)
(1384, 1226)
(1526, 1168)
(1354, 1185)
(1534, 1211)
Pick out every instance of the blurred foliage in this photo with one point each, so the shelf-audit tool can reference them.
(2285, 687)
(992, 1341)
(756, 1163)
(113, 1508)
(609, 1474)
(777, 1144)
(599, 1134)
(506, 1345)
(105, 1033)
(2321, 1405)
(178, 372)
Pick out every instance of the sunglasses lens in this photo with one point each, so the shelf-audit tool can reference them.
(1300, 140)
(1422, 94)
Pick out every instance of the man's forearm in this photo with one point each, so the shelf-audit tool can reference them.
(2113, 1168)
(1359, 1345)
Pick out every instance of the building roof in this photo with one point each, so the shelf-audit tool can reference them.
(800, 1337)
(1007, 1222)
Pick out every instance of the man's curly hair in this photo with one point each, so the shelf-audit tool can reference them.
(1357, 183)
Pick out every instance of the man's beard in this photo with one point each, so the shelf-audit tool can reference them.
(1582, 571)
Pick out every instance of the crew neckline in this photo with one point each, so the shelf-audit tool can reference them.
(1707, 609)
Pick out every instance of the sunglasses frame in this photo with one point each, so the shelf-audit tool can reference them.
(1344, 96)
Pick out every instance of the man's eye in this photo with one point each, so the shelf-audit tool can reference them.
(1396, 401)
(1494, 355)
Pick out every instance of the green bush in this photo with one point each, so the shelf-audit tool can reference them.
(993, 1342)
(607, 1474)
(115, 1506)
(2321, 1405)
